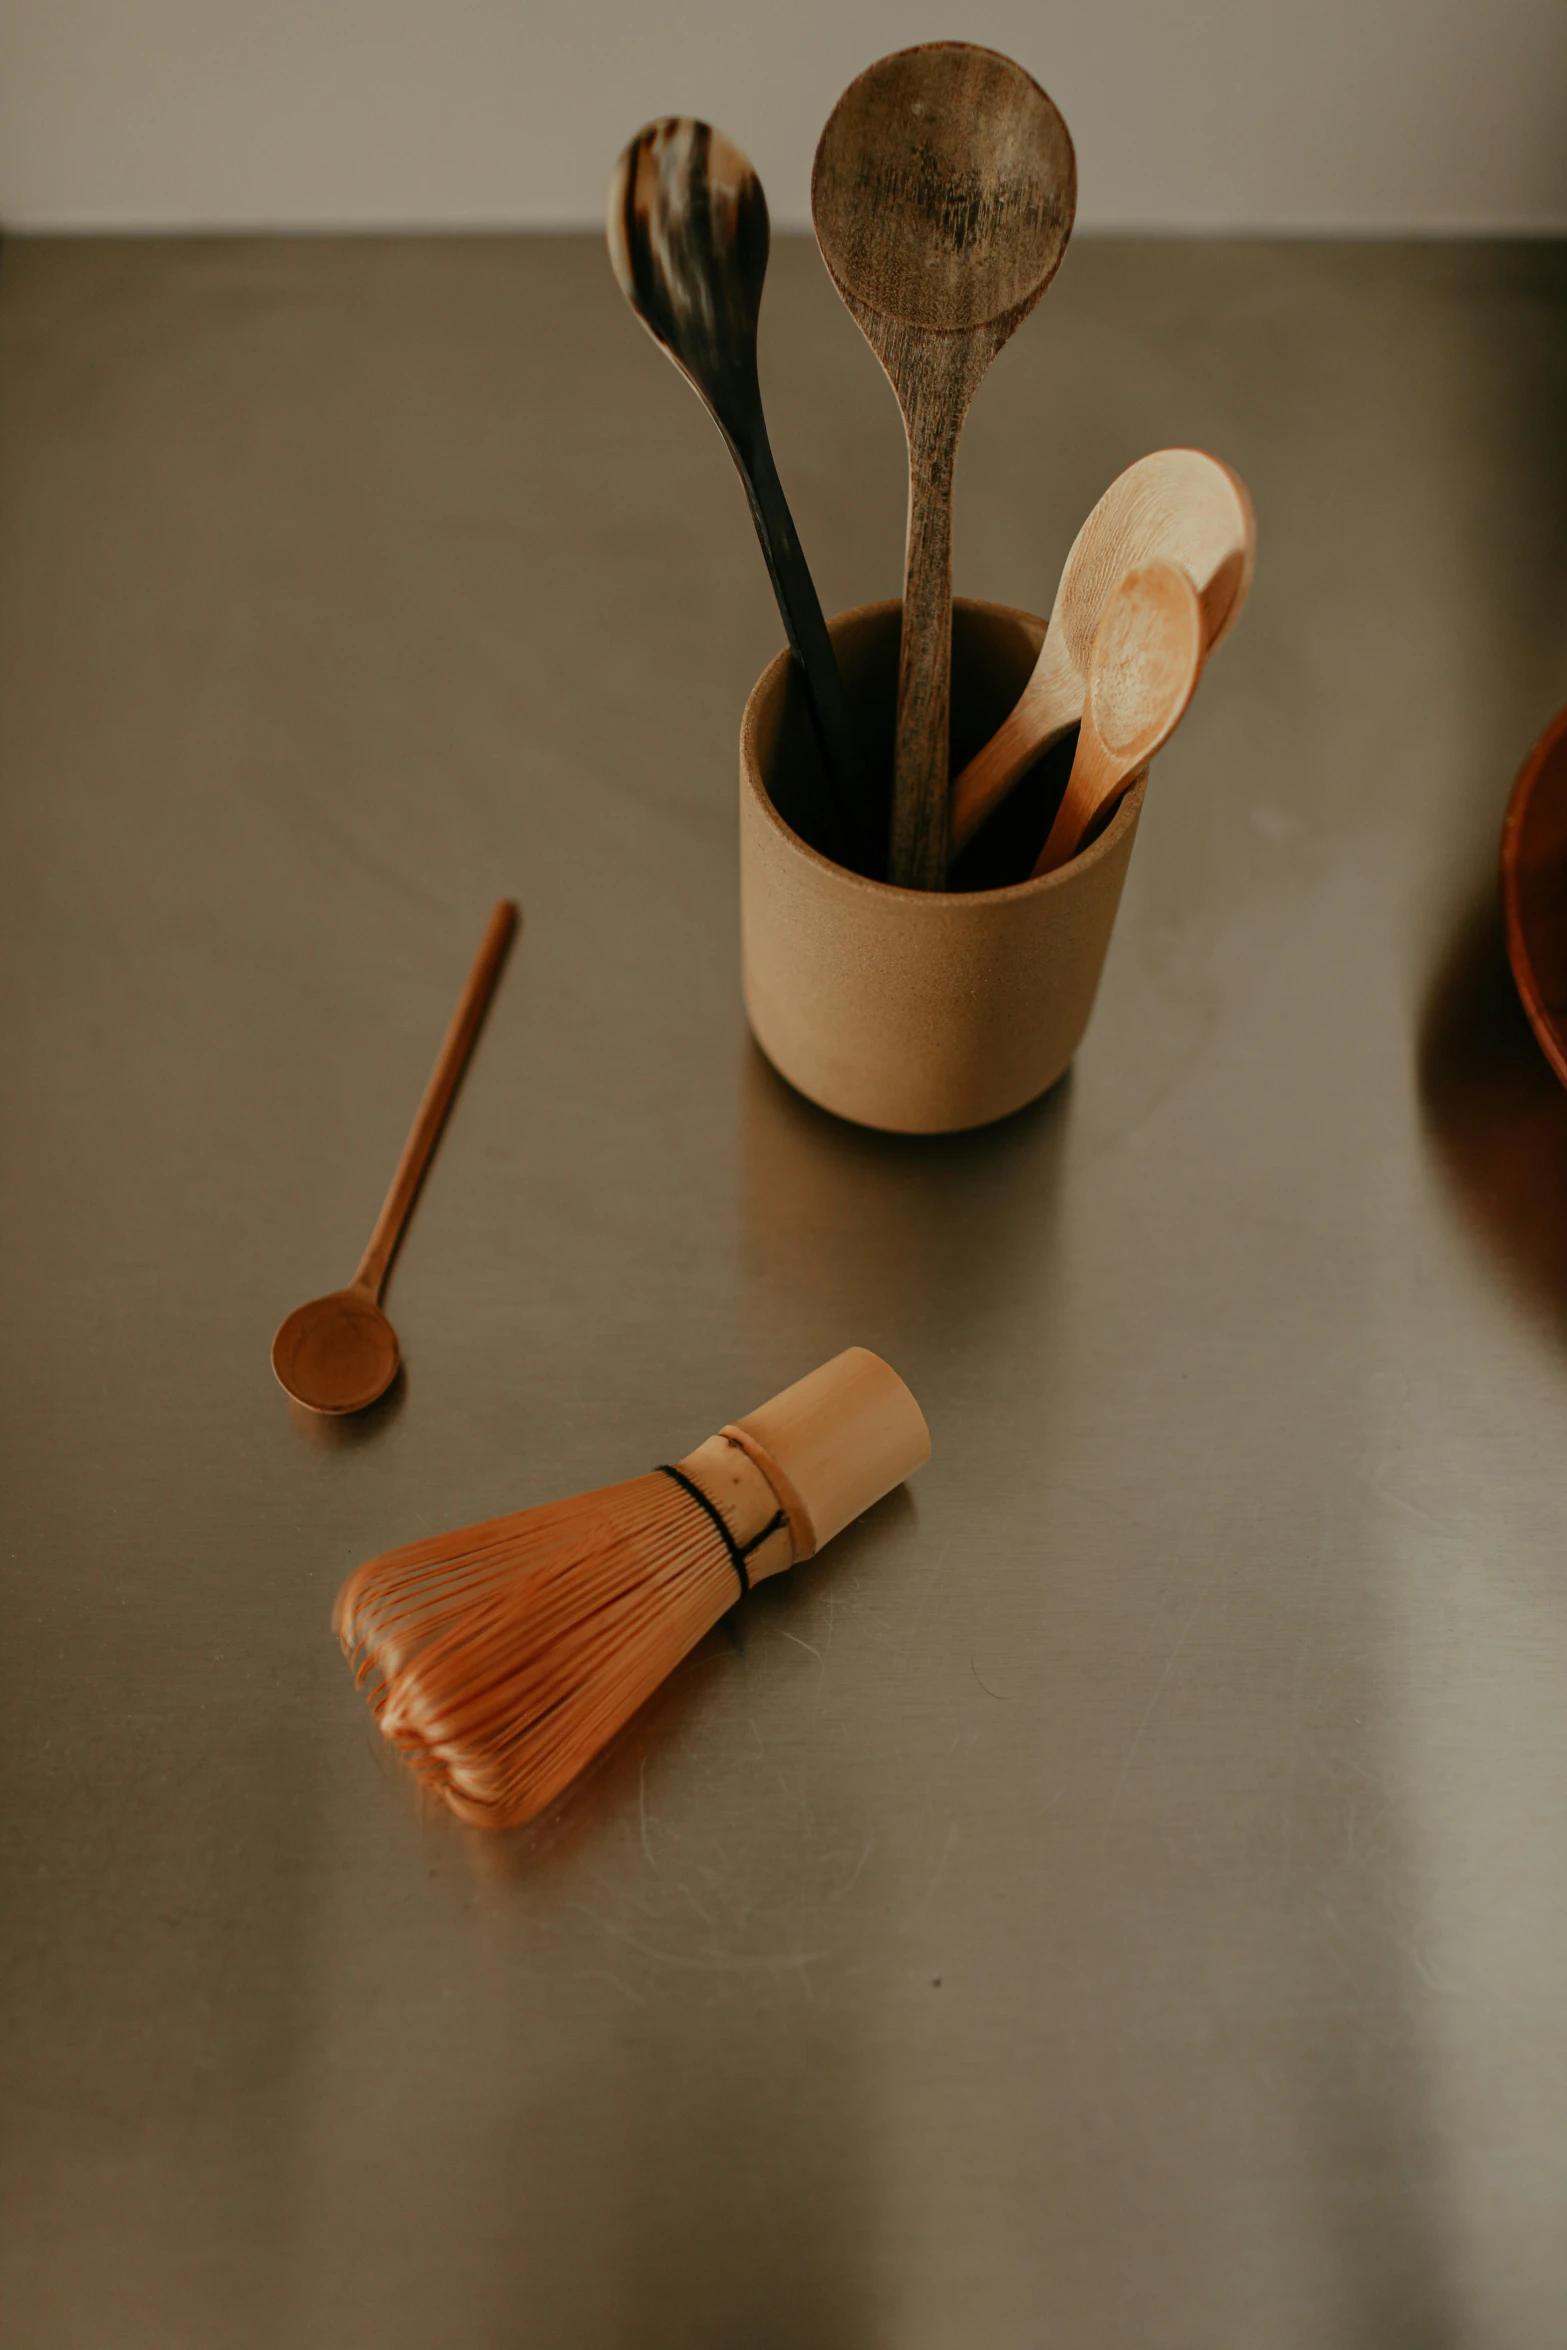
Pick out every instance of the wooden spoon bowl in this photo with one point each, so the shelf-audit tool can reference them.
(1534, 890)
(336, 1354)
(944, 190)
(1143, 668)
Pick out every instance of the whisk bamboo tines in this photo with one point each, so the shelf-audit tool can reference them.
(501, 1658)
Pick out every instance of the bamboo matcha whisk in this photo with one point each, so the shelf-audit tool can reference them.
(501, 1658)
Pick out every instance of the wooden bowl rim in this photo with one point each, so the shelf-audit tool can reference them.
(1552, 1041)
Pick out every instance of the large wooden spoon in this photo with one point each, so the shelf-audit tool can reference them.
(943, 193)
(688, 241)
(1143, 669)
(1178, 506)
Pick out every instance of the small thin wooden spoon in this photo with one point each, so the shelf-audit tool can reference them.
(1177, 506)
(688, 241)
(943, 193)
(1143, 669)
(339, 1352)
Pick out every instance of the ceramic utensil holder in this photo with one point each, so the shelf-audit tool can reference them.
(920, 1012)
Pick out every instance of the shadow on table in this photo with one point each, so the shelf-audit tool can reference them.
(1494, 1110)
(909, 1230)
(344, 1432)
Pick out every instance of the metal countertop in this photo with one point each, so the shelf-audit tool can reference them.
(1116, 1896)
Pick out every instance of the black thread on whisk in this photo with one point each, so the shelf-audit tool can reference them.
(737, 1556)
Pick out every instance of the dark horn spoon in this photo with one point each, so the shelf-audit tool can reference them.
(688, 238)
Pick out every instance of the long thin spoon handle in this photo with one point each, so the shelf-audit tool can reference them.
(799, 607)
(1097, 778)
(917, 857)
(1051, 703)
(466, 1022)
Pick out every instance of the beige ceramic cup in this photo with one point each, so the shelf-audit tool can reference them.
(917, 1011)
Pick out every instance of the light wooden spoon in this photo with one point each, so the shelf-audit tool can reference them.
(1177, 506)
(943, 194)
(688, 241)
(1143, 668)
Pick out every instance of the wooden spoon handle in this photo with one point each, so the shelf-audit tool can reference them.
(1097, 779)
(917, 851)
(466, 1021)
(1051, 702)
(846, 818)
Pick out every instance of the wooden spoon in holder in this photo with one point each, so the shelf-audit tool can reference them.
(943, 193)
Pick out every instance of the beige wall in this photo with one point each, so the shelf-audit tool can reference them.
(1296, 114)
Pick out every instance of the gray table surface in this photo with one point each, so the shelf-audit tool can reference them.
(1116, 1896)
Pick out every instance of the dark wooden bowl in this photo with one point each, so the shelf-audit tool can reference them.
(1534, 890)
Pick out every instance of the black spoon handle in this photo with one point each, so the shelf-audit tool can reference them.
(845, 813)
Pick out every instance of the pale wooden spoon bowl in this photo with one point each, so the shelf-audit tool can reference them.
(1143, 668)
(943, 193)
(1176, 506)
